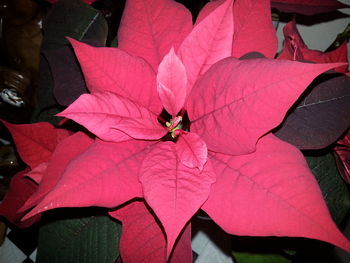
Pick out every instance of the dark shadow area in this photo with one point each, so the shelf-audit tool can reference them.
(313, 19)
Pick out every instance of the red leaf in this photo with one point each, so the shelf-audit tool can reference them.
(171, 83)
(209, 41)
(307, 7)
(343, 151)
(114, 118)
(143, 239)
(255, 197)
(191, 150)
(237, 101)
(295, 49)
(293, 43)
(208, 9)
(174, 191)
(38, 172)
(105, 175)
(149, 28)
(21, 188)
(35, 142)
(254, 30)
(111, 69)
(64, 153)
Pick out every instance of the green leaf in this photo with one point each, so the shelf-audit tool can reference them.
(334, 189)
(248, 249)
(245, 257)
(79, 237)
(75, 19)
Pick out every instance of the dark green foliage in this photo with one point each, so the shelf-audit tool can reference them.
(79, 237)
(335, 190)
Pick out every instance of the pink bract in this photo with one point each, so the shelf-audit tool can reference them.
(213, 150)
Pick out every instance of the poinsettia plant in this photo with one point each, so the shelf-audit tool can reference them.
(187, 118)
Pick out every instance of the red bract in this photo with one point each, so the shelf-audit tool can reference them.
(21, 188)
(286, 197)
(35, 144)
(64, 152)
(294, 48)
(46, 150)
(212, 149)
(142, 233)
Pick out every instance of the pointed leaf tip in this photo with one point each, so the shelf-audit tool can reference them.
(65, 152)
(209, 41)
(192, 150)
(172, 82)
(174, 191)
(103, 112)
(114, 70)
(254, 196)
(143, 233)
(93, 171)
(35, 142)
(20, 189)
(149, 28)
(252, 101)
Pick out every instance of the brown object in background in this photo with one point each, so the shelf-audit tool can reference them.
(21, 38)
(15, 84)
(9, 166)
(3, 229)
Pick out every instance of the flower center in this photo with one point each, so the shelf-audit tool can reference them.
(174, 125)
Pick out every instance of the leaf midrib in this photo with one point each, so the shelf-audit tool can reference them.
(278, 197)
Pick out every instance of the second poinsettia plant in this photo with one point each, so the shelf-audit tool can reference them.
(183, 123)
